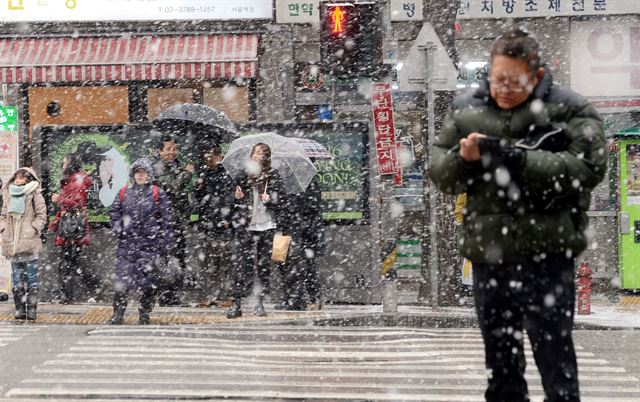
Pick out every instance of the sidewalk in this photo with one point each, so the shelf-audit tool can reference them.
(624, 314)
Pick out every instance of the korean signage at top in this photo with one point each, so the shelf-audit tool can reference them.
(471, 9)
(133, 10)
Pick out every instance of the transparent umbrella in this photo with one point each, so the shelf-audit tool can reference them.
(287, 157)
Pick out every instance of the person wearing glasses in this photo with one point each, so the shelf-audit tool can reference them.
(528, 153)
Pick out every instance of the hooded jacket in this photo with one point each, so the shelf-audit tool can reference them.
(142, 225)
(29, 225)
(543, 210)
(73, 195)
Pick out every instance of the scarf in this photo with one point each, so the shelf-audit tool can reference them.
(18, 196)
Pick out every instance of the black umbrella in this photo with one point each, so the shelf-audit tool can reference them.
(205, 123)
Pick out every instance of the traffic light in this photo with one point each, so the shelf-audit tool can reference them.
(350, 36)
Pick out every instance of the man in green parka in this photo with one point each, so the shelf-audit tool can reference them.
(527, 153)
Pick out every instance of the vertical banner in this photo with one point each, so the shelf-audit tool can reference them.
(8, 165)
(385, 132)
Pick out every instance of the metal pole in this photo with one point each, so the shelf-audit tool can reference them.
(433, 213)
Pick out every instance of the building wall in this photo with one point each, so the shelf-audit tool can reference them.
(79, 105)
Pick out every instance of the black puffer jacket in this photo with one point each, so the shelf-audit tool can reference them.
(215, 197)
(544, 209)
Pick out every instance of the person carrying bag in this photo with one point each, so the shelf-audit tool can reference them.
(72, 227)
(260, 200)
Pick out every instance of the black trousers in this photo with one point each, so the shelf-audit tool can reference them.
(68, 268)
(293, 272)
(312, 279)
(538, 297)
(246, 260)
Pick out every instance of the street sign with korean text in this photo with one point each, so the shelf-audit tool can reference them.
(297, 11)
(133, 10)
(384, 128)
(406, 10)
(605, 58)
(475, 9)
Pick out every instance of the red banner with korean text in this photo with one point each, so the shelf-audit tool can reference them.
(385, 132)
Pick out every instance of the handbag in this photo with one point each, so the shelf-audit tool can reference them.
(280, 248)
(169, 268)
(72, 225)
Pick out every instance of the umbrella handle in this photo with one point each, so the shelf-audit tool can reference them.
(266, 183)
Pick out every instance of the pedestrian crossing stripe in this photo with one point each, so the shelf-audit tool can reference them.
(277, 362)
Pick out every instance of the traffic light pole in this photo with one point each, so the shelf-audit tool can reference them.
(430, 261)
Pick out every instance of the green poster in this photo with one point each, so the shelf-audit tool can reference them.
(106, 152)
(8, 118)
(344, 178)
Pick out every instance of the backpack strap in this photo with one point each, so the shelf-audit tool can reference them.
(154, 189)
(156, 197)
(123, 191)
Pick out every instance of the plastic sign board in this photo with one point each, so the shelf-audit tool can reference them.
(8, 165)
(477, 9)
(8, 118)
(384, 127)
(297, 11)
(413, 75)
(605, 58)
(406, 10)
(133, 10)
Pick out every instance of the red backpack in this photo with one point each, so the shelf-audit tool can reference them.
(154, 189)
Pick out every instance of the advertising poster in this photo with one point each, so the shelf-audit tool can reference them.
(344, 180)
(633, 174)
(106, 153)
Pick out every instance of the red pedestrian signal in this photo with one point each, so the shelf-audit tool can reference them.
(350, 43)
(338, 19)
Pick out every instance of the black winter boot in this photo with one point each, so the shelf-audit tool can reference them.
(119, 307)
(146, 306)
(32, 303)
(259, 308)
(235, 310)
(143, 316)
(19, 301)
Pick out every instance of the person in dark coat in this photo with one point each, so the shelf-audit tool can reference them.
(141, 220)
(215, 195)
(74, 187)
(175, 179)
(528, 153)
(300, 272)
(260, 209)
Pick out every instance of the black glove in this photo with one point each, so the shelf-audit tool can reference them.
(496, 152)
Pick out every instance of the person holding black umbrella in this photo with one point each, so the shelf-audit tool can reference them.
(174, 179)
(215, 194)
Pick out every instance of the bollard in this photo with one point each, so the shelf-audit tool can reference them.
(584, 281)
(389, 295)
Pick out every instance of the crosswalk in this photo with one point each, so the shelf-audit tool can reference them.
(12, 333)
(291, 362)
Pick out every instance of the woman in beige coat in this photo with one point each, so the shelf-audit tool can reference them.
(24, 215)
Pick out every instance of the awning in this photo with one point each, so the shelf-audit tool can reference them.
(127, 58)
